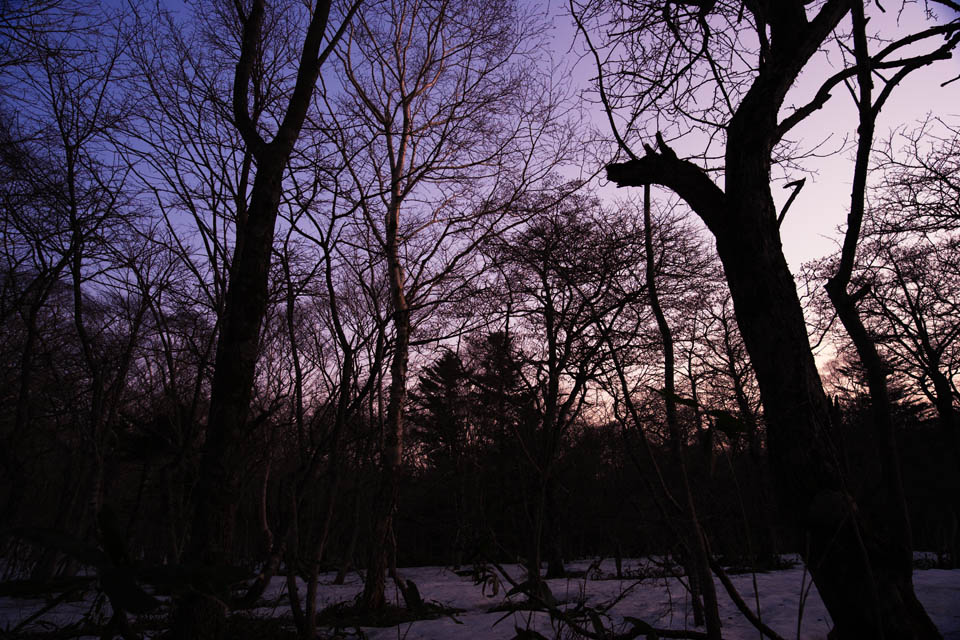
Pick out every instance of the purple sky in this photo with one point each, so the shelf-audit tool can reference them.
(810, 229)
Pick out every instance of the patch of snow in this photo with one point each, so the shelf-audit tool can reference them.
(660, 601)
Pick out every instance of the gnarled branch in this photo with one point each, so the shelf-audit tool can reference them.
(663, 167)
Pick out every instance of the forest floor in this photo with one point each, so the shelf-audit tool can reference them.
(473, 609)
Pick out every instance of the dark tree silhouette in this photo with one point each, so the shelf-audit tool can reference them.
(435, 131)
(560, 269)
(861, 567)
(201, 615)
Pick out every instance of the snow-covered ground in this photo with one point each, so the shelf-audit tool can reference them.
(658, 601)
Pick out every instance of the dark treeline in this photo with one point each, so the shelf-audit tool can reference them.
(288, 289)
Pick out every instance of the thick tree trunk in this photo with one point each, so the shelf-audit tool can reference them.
(347, 560)
(857, 561)
(946, 414)
(856, 558)
(857, 564)
(552, 532)
(202, 615)
(858, 567)
(218, 488)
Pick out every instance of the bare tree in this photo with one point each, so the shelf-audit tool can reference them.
(913, 306)
(68, 206)
(439, 133)
(21, 25)
(202, 615)
(561, 268)
(697, 544)
(908, 275)
(344, 343)
(704, 44)
(919, 188)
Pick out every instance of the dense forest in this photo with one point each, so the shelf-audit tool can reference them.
(293, 287)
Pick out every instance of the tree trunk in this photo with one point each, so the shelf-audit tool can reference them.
(389, 486)
(883, 502)
(946, 414)
(855, 558)
(202, 615)
(856, 565)
(696, 556)
(237, 351)
(347, 561)
(552, 532)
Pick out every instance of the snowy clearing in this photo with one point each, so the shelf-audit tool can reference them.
(660, 601)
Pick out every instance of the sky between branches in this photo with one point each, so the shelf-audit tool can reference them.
(811, 229)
